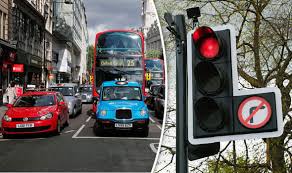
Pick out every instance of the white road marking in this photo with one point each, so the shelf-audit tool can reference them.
(158, 126)
(88, 119)
(79, 130)
(151, 120)
(152, 146)
(127, 138)
(69, 131)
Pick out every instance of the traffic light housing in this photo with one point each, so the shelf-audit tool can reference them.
(214, 100)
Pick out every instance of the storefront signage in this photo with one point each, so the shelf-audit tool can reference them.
(18, 68)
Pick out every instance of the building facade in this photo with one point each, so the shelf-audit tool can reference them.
(28, 33)
(70, 39)
(148, 15)
(84, 45)
(150, 28)
(45, 7)
(153, 38)
(7, 49)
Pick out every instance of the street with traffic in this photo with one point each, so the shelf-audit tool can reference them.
(77, 148)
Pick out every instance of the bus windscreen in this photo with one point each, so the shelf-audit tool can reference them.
(112, 42)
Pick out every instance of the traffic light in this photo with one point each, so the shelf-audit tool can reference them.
(217, 110)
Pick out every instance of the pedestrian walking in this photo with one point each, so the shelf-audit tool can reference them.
(10, 93)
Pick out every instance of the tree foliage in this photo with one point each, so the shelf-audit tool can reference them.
(153, 53)
(90, 57)
(264, 53)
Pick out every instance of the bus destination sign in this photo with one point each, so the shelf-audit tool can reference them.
(118, 62)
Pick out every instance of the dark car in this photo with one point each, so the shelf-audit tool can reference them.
(86, 93)
(159, 101)
(152, 94)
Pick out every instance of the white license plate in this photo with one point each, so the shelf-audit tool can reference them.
(25, 125)
(128, 125)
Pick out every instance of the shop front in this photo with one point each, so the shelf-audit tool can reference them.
(34, 71)
(32, 74)
(7, 59)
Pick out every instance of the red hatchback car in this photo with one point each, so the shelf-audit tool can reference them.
(36, 112)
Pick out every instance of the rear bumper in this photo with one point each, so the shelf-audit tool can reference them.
(110, 124)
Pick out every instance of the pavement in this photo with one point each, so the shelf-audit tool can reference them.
(78, 149)
(3, 109)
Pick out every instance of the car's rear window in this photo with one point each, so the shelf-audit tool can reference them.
(65, 91)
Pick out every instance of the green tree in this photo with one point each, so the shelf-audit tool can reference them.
(153, 53)
(90, 57)
(264, 54)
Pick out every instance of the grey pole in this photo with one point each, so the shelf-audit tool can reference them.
(181, 66)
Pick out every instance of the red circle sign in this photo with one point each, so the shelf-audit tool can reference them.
(254, 112)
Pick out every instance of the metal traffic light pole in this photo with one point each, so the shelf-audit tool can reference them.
(177, 28)
(181, 66)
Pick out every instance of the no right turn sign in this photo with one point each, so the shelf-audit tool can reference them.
(254, 112)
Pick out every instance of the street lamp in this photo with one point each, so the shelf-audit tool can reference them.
(46, 15)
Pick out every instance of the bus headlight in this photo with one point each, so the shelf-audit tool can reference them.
(103, 112)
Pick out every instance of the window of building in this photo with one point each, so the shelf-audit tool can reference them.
(1, 24)
(4, 26)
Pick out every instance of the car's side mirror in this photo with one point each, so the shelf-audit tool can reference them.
(9, 106)
(62, 103)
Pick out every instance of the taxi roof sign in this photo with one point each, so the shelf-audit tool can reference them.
(121, 82)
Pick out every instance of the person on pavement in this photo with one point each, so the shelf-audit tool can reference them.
(11, 93)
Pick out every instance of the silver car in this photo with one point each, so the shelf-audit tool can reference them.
(86, 93)
(71, 95)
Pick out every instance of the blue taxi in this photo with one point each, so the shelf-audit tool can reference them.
(121, 107)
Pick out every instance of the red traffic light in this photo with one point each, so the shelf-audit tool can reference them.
(207, 42)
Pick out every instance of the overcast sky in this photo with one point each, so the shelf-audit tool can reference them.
(112, 14)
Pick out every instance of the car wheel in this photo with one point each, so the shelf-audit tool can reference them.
(80, 112)
(74, 112)
(156, 113)
(145, 131)
(161, 113)
(5, 136)
(66, 124)
(58, 128)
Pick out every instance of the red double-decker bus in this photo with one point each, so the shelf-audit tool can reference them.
(118, 54)
(155, 67)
